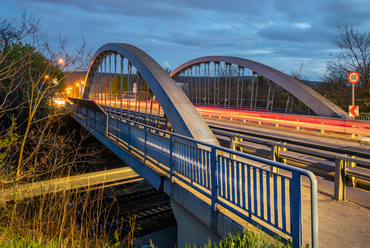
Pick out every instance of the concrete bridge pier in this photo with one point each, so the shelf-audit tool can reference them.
(192, 211)
(191, 230)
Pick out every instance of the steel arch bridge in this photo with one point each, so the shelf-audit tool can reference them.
(135, 108)
(164, 100)
(127, 82)
(313, 100)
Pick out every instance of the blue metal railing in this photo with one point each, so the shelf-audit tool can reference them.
(272, 201)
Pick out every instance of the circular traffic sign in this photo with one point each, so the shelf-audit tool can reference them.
(353, 77)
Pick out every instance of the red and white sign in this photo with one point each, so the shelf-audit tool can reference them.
(353, 77)
(353, 111)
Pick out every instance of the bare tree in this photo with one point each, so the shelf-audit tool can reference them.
(31, 73)
(32, 148)
(353, 54)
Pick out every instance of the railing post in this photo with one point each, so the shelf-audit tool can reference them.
(117, 124)
(232, 146)
(352, 180)
(340, 180)
(284, 149)
(171, 161)
(86, 115)
(296, 209)
(95, 119)
(314, 213)
(275, 157)
(214, 189)
(145, 144)
(239, 147)
(129, 135)
(107, 127)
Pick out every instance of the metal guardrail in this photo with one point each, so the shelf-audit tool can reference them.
(345, 167)
(321, 124)
(246, 190)
(344, 171)
(363, 117)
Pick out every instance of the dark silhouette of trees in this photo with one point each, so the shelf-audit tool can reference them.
(353, 55)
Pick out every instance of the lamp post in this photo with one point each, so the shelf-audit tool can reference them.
(78, 90)
(82, 87)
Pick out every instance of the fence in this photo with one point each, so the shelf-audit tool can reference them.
(297, 122)
(353, 171)
(270, 200)
(363, 117)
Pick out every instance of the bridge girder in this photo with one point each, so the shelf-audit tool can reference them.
(315, 101)
(178, 109)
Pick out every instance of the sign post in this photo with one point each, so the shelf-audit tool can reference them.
(353, 78)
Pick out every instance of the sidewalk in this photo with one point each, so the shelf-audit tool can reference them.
(341, 224)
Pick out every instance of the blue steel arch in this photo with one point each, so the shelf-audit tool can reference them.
(180, 112)
(316, 102)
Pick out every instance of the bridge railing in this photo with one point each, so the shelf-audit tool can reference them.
(231, 179)
(358, 127)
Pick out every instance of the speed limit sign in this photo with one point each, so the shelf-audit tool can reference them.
(353, 77)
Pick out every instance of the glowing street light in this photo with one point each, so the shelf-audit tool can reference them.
(60, 61)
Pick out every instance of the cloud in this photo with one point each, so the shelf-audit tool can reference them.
(174, 32)
(302, 25)
(167, 65)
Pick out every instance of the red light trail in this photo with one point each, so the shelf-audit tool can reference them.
(296, 121)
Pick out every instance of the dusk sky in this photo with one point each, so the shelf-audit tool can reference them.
(279, 33)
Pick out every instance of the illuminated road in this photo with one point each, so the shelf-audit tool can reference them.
(296, 121)
(322, 124)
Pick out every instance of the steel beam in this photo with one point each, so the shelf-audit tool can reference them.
(318, 103)
(181, 113)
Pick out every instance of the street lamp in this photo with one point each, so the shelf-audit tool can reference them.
(60, 61)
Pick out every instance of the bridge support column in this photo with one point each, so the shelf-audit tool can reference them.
(190, 230)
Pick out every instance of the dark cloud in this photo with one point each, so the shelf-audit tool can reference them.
(280, 33)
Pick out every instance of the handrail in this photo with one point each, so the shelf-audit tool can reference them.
(221, 175)
(341, 161)
(296, 148)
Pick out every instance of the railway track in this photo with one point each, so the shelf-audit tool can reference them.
(138, 201)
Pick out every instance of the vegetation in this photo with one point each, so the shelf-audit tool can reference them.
(141, 87)
(248, 239)
(353, 55)
(33, 148)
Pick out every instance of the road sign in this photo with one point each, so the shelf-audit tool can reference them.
(353, 111)
(353, 77)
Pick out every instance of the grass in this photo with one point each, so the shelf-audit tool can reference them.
(63, 219)
(69, 218)
(247, 239)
